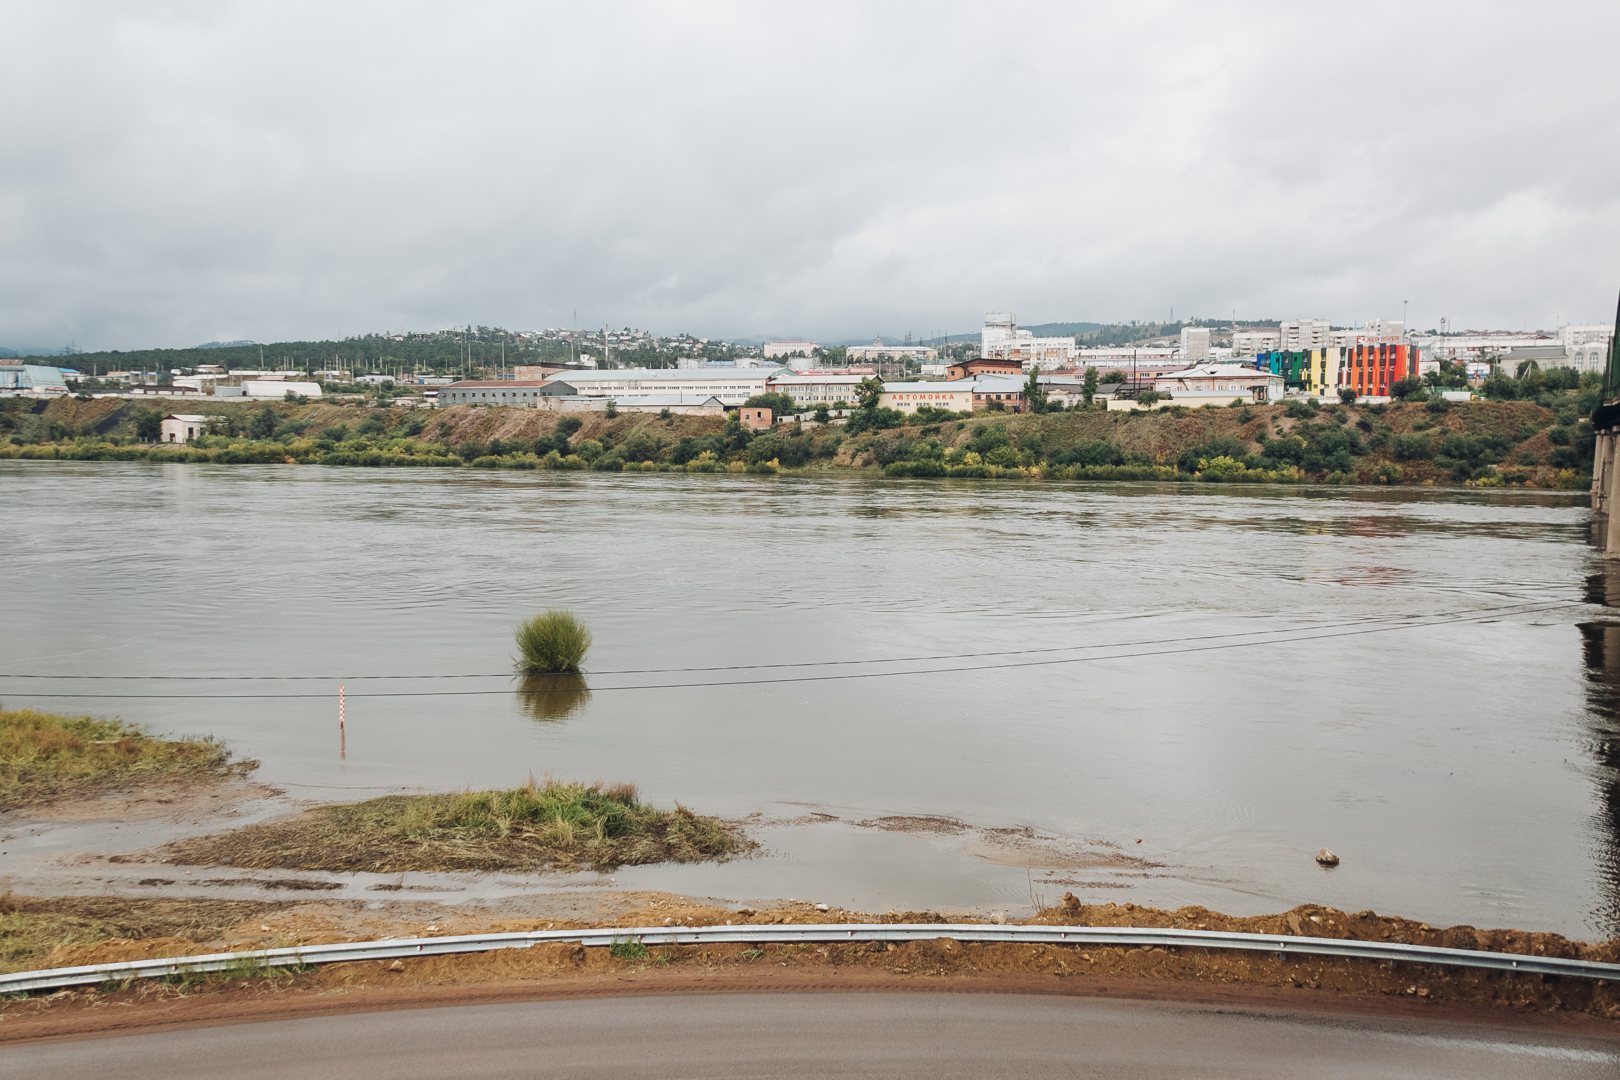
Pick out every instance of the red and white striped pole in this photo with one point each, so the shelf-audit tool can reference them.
(343, 739)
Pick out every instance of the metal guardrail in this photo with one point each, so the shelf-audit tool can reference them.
(1119, 936)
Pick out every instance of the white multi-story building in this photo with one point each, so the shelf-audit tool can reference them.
(1587, 345)
(1000, 339)
(1194, 343)
(1301, 334)
(774, 349)
(1585, 334)
(1254, 342)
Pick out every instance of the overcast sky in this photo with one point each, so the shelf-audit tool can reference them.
(180, 172)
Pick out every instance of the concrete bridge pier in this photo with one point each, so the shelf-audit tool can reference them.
(1606, 491)
(1602, 462)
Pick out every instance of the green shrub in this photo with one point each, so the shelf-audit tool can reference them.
(689, 449)
(1224, 446)
(641, 446)
(705, 462)
(887, 451)
(925, 468)
(263, 423)
(1413, 447)
(552, 642)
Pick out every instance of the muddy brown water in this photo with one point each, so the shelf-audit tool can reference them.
(1422, 680)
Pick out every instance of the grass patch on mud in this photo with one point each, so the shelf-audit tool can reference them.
(32, 928)
(558, 826)
(44, 756)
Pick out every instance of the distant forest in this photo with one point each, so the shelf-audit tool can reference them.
(487, 347)
(484, 348)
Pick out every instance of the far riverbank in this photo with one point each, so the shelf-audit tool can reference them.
(1490, 444)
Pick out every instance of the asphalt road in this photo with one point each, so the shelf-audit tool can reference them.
(825, 1035)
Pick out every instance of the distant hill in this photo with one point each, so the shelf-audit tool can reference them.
(224, 344)
(15, 354)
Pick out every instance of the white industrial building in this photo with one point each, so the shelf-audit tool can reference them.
(26, 380)
(809, 389)
(1480, 346)
(1220, 383)
(908, 397)
(1124, 354)
(731, 386)
(923, 354)
(775, 349)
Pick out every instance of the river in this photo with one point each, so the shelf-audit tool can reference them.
(922, 694)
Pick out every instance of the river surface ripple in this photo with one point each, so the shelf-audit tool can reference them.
(1002, 687)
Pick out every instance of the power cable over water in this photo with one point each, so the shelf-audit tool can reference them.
(1206, 643)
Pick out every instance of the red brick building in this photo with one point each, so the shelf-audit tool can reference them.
(971, 369)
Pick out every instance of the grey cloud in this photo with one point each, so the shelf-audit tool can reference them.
(183, 172)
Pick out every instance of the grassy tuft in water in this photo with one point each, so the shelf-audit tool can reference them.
(552, 643)
(534, 827)
(44, 756)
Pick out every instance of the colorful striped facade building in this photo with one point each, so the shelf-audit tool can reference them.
(1369, 367)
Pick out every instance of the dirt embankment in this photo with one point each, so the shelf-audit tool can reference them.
(169, 928)
(1514, 443)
